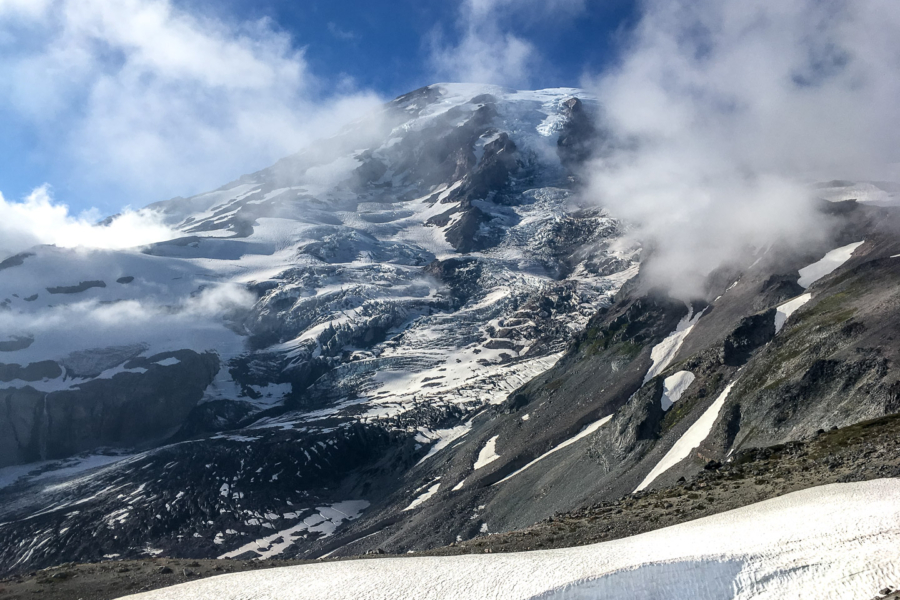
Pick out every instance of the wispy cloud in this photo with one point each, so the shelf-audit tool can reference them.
(64, 328)
(488, 51)
(145, 96)
(340, 33)
(725, 112)
(39, 220)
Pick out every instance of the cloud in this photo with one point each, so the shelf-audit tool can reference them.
(487, 50)
(155, 101)
(724, 113)
(202, 318)
(341, 34)
(39, 220)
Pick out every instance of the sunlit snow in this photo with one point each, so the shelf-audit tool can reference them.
(663, 353)
(488, 454)
(582, 434)
(838, 541)
(323, 522)
(424, 497)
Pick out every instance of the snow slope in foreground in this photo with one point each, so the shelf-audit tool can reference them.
(836, 541)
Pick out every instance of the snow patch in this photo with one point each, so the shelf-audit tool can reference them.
(663, 353)
(324, 522)
(584, 433)
(488, 454)
(829, 263)
(674, 386)
(783, 312)
(424, 497)
(443, 438)
(692, 438)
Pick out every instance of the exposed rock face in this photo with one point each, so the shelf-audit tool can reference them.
(579, 137)
(15, 261)
(754, 331)
(16, 343)
(77, 289)
(46, 369)
(129, 409)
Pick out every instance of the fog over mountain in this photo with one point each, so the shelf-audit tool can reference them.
(720, 117)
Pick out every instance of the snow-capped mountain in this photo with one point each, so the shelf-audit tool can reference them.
(411, 335)
(433, 247)
(367, 296)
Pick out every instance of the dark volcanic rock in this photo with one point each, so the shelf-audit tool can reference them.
(461, 274)
(578, 137)
(753, 332)
(77, 289)
(128, 409)
(45, 369)
(16, 343)
(463, 235)
(15, 261)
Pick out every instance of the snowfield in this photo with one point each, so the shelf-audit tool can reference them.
(833, 542)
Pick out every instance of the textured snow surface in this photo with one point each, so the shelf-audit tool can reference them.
(783, 312)
(322, 254)
(692, 438)
(56, 469)
(674, 386)
(829, 263)
(833, 542)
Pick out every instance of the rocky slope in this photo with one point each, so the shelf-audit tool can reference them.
(860, 452)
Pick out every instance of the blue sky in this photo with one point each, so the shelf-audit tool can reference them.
(385, 45)
(121, 103)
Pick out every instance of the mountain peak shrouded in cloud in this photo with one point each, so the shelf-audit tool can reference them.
(724, 113)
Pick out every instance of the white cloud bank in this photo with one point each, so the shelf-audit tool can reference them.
(39, 220)
(487, 50)
(726, 111)
(149, 99)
